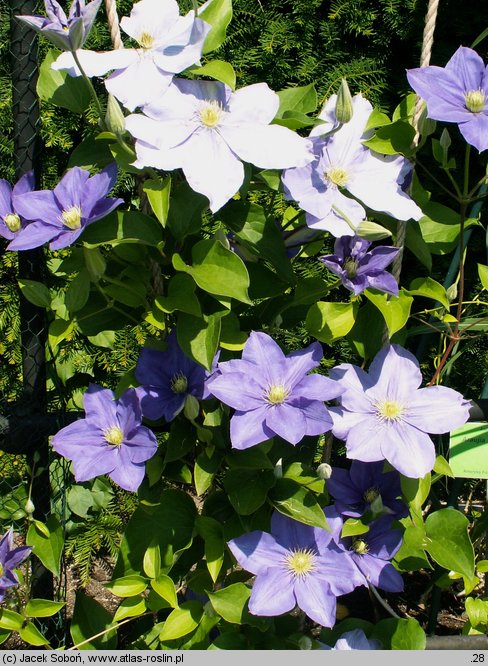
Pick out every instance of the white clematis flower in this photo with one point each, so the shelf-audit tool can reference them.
(168, 44)
(344, 166)
(207, 130)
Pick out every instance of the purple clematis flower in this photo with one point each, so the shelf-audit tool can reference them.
(344, 166)
(208, 131)
(110, 440)
(365, 484)
(371, 552)
(67, 33)
(11, 223)
(354, 640)
(168, 378)
(10, 558)
(457, 93)
(62, 214)
(295, 565)
(167, 44)
(273, 394)
(360, 268)
(384, 414)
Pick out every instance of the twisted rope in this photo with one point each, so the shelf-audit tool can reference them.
(427, 43)
(113, 23)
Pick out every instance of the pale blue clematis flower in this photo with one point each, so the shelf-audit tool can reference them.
(344, 166)
(208, 131)
(167, 44)
(354, 640)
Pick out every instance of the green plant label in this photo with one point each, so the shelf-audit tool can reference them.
(468, 451)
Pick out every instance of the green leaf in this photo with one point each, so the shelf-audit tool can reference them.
(199, 337)
(293, 500)
(440, 227)
(181, 621)
(170, 522)
(59, 330)
(441, 466)
(412, 556)
(61, 89)
(300, 99)
(401, 634)
(211, 532)
(392, 139)
(205, 469)
(247, 489)
(354, 527)
(78, 291)
(477, 611)
(330, 321)
(80, 500)
(430, 289)
(131, 607)
(165, 587)
(35, 292)
(127, 586)
(216, 270)
(127, 226)
(395, 309)
(416, 491)
(181, 296)
(218, 14)
(10, 620)
(158, 193)
(92, 153)
(42, 607)
(89, 620)
(367, 333)
(48, 549)
(448, 543)
(483, 275)
(152, 561)
(231, 602)
(220, 70)
(31, 634)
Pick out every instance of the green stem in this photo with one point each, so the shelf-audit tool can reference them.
(92, 90)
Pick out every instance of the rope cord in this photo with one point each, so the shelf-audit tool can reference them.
(113, 23)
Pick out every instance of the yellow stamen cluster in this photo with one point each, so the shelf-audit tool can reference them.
(300, 562)
(210, 113)
(114, 436)
(276, 394)
(351, 267)
(360, 546)
(178, 383)
(12, 221)
(475, 100)
(72, 218)
(371, 494)
(337, 176)
(146, 40)
(389, 410)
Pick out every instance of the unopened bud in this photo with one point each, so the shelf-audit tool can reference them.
(29, 507)
(324, 471)
(452, 292)
(114, 118)
(221, 236)
(372, 231)
(344, 108)
(191, 408)
(278, 470)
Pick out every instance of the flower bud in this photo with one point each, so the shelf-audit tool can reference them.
(371, 231)
(191, 408)
(452, 292)
(278, 470)
(324, 471)
(29, 507)
(114, 118)
(344, 108)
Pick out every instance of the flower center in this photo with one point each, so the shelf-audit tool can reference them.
(389, 410)
(210, 113)
(114, 436)
(300, 562)
(338, 176)
(276, 394)
(12, 221)
(146, 40)
(360, 546)
(371, 494)
(351, 267)
(72, 218)
(475, 100)
(178, 383)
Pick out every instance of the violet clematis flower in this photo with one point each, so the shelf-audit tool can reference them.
(67, 33)
(168, 378)
(295, 565)
(10, 558)
(110, 440)
(273, 394)
(167, 44)
(371, 552)
(11, 223)
(344, 165)
(208, 131)
(360, 268)
(62, 214)
(354, 640)
(384, 414)
(457, 93)
(365, 487)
